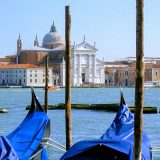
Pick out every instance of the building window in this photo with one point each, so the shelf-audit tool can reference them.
(30, 75)
(19, 71)
(35, 80)
(24, 80)
(156, 73)
(24, 75)
(24, 71)
(30, 80)
(43, 80)
(35, 75)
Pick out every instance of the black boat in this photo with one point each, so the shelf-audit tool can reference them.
(29, 139)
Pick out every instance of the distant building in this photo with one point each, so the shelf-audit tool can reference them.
(122, 74)
(86, 68)
(150, 60)
(11, 59)
(24, 75)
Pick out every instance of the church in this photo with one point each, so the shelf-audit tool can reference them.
(86, 68)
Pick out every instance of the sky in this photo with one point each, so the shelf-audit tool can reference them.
(109, 23)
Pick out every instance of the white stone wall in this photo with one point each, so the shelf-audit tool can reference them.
(85, 68)
(13, 77)
(24, 77)
(36, 77)
(62, 73)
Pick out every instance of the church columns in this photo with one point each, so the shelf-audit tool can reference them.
(94, 74)
(79, 70)
(88, 69)
(73, 66)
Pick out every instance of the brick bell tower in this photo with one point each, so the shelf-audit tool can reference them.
(19, 48)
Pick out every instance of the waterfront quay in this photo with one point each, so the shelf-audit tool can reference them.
(83, 121)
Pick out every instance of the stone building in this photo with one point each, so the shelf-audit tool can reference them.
(120, 74)
(86, 68)
(24, 75)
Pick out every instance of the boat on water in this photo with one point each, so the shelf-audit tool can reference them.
(149, 84)
(3, 110)
(116, 143)
(53, 88)
(29, 139)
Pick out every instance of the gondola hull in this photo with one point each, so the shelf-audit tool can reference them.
(27, 139)
(116, 143)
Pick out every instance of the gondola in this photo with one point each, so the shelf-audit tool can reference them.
(117, 143)
(29, 139)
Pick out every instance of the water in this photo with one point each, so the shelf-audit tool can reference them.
(86, 124)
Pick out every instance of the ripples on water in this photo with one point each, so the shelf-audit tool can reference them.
(86, 124)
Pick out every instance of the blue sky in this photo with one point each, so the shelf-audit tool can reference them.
(109, 23)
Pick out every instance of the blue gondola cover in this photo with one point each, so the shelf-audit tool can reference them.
(6, 150)
(25, 140)
(27, 137)
(116, 143)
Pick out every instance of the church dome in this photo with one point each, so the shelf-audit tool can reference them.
(52, 39)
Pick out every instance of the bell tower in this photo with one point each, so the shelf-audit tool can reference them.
(19, 48)
(19, 44)
(36, 43)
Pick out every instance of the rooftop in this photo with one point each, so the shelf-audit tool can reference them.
(18, 66)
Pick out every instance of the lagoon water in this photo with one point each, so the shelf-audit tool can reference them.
(86, 124)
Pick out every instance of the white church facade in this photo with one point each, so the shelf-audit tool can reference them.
(86, 68)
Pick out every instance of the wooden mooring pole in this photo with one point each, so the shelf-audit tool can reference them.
(139, 90)
(68, 79)
(46, 84)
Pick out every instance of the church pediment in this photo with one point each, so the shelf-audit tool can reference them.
(84, 46)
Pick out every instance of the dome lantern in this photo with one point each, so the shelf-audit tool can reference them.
(53, 28)
(52, 39)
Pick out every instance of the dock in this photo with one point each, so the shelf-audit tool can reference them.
(113, 107)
